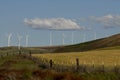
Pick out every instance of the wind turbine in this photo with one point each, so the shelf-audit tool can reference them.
(19, 40)
(63, 36)
(9, 39)
(50, 38)
(27, 36)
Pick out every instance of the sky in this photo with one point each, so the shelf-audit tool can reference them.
(57, 22)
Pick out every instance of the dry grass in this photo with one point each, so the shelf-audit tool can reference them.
(98, 57)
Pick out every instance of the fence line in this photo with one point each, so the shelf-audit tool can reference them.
(45, 64)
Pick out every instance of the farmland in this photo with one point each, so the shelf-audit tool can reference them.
(26, 68)
(97, 57)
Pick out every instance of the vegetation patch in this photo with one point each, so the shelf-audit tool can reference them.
(107, 58)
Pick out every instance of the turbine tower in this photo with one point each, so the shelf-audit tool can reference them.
(9, 39)
(27, 36)
(63, 36)
(50, 38)
(19, 40)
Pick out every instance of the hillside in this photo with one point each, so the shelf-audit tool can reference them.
(16, 67)
(111, 41)
(14, 49)
(107, 42)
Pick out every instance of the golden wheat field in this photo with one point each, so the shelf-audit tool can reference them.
(98, 57)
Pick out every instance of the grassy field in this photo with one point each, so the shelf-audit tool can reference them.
(97, 57)
(16, 67)
(16, 62)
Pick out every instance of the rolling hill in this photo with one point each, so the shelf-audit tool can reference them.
(111, 41)
(103, 43)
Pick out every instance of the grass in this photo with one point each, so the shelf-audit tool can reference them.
(98, 57)
(16, 62)
(110, 41)
(101, 76)
(16, 67)
(110, 48)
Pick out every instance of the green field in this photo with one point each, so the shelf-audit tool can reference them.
(16, 62)
(97, 57)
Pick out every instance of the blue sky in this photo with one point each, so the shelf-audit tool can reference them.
(37, 18)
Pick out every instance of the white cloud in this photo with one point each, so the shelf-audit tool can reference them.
(108, 20)
(53, 24)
